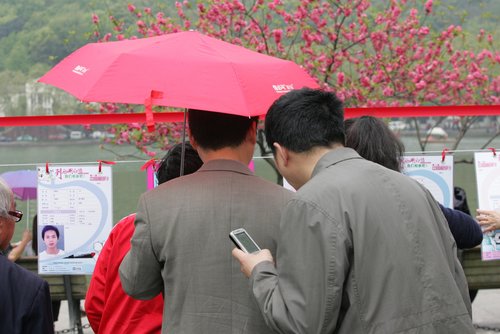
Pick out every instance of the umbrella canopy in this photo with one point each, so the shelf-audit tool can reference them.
(191, 70)
(22, 182)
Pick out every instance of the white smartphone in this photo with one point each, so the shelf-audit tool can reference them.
(244, 241)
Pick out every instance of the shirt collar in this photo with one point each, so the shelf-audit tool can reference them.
(225, 165)
(334, 157)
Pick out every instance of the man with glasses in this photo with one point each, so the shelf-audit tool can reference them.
(25, 305)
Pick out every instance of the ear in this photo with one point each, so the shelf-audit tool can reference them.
(192, 141)
(281, 154)
(252, 133)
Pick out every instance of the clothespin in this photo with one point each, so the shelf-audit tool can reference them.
(104, 162)
(492, 149)
(443, 154)
(47, 167)
(149, 163)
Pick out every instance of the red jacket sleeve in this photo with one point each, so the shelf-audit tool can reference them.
(96, 293)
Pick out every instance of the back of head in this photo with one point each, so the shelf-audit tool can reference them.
(170, 165)
(5, 199)
(214, 131)
(374, 141)
(306, 118)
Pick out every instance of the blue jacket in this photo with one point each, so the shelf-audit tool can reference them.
(25, 306)
(465, 229)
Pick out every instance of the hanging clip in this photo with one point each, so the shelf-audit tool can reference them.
(443, 154)
(148, 109)
(99, 169)
(47, 168)
(492, 149)
(149, 163)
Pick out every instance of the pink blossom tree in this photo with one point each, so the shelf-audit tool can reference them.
(371, 57)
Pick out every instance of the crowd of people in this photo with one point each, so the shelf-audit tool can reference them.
(358, 248)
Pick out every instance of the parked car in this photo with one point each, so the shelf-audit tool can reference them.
(97, 135)
(76, 135)
(397, 125)
(26, 138)
(58, 136)
(5, 139)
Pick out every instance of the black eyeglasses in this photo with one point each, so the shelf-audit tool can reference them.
(18, 215)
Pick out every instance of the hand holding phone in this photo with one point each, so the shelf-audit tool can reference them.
(244, 241)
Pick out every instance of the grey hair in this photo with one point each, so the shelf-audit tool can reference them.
(5, 198)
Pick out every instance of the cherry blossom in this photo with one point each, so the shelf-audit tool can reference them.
(369, 56)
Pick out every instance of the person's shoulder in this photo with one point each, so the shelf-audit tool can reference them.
(19, 274)
(124, 223)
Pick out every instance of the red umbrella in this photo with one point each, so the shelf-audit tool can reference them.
(189, 69)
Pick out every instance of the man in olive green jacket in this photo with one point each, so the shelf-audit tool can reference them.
(362, 249)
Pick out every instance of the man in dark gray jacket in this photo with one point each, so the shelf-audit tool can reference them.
(362, 249)
(25, 306)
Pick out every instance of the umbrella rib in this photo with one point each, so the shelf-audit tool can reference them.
(232, 67)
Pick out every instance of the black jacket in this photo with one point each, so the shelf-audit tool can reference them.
(25, 305)
(465, 229)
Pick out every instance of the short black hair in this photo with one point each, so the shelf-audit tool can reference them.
(49, 228)
(374, 141)
(305, 118)
(213, 130)
(170, 166)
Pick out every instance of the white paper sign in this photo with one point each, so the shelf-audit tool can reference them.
(433, 173)
(488, 195)
(74, 217)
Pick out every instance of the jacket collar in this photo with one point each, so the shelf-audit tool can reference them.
(225, 165)
(334, 157)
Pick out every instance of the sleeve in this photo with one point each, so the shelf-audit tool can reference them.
(140, 270)
(40, 315)
(303, 293)
(96, 293)
(465, 230)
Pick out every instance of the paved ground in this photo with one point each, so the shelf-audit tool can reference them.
(485, 313)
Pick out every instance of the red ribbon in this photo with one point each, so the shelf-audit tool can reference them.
(148, 109)
(104, 162)
(443, 154)
(492, 149)
(149, 163)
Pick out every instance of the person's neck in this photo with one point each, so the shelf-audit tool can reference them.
(307, 161)
(52, 251)
(226, 153)
(3, 247)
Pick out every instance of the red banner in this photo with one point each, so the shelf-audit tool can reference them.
(165, 117)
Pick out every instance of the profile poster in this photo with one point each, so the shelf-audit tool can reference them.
(433, 173)
(74, 217)
(488, 195)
